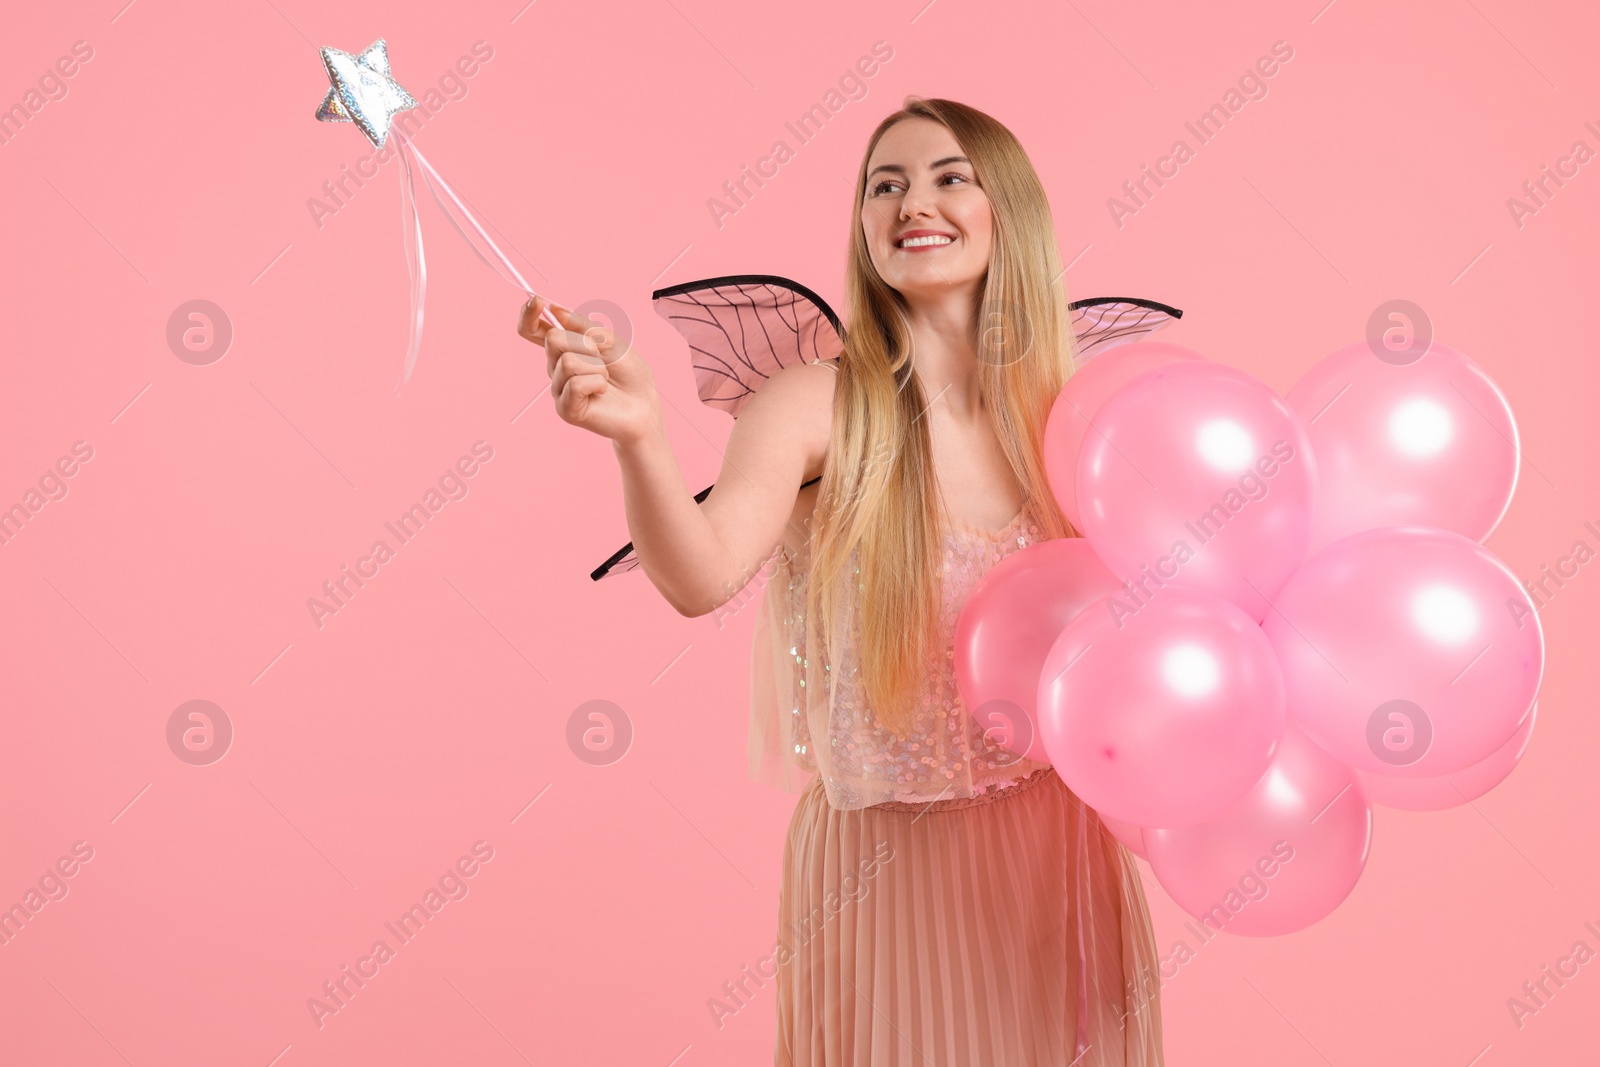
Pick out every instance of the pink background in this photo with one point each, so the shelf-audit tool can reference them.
(372, 752)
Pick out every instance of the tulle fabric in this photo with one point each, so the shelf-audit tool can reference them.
(808, 713)
(774, 709)
(1007, 929)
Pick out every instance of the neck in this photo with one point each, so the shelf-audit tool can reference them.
(944, 334)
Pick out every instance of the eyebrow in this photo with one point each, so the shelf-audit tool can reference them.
(935, 165)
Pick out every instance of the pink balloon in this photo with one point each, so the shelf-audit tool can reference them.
(1082, 397)
(1452, 790)
(1284, 857)
(1428, 443)
(1128, 834)
(1163, 717)
(1199, 475)
(1007, 626)
(1407, 651)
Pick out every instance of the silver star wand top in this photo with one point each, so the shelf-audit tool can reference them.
(365, 93)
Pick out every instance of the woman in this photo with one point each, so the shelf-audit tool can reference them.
(943, 901)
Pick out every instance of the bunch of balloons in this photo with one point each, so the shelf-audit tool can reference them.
(1280, 612)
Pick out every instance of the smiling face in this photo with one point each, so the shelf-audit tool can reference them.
(927, 222)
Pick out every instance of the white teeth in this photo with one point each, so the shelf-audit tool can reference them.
(917, 242)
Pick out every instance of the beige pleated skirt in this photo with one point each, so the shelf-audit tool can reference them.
(1005, 930)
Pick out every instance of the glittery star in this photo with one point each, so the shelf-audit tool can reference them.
(363, 91)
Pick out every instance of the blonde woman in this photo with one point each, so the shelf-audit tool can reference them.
(943, 901)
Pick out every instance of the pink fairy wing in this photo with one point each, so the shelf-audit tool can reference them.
(1104, 322)
(744, 328)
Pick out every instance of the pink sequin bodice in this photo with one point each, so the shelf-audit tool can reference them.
(946, 755)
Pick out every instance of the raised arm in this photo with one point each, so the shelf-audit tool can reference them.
(697, 555)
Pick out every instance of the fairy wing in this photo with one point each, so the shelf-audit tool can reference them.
(744, 328)
(1104, 322)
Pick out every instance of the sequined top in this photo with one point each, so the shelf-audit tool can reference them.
(797, 699)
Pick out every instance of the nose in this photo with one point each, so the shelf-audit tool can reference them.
(914, 203)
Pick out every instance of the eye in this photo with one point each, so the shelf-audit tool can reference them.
(878, 188)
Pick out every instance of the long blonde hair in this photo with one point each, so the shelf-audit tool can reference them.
(879, 493)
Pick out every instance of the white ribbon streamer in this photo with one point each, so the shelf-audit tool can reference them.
(416, 262)
(466, 225)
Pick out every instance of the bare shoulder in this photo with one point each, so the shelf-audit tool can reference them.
(796, 404)
(804, 380)
(778, 443)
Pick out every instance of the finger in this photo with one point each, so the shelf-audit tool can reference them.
(570, 319)
(537, 319)
(573, 365)
(530, 322)
(583, 387)
(579, 363)
(603, 337)
(558, 343)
